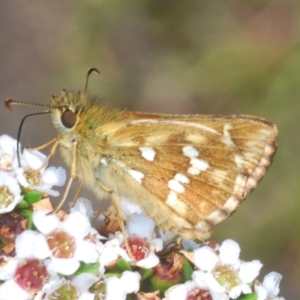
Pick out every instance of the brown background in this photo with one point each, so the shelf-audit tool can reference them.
(173, 57)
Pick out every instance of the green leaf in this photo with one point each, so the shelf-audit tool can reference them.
(27, 213)
(146, 286)
(88, 268)
(187, 270)
(111, 274)
(33, 197)
(146, 273)
(123, 265)
(252, 296)
(23, 204)
(161, 284)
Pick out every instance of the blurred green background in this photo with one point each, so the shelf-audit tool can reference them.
(217, 57)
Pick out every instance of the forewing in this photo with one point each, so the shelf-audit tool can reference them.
(199, 169)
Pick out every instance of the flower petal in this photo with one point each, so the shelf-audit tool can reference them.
(10, 290)
(44, 221)
(65, 266)
(34, 159)
(229, 252)
(271, 283)
(77, 224)
(249, 270)
(130, 281)
(140, 225)
(175, 292)
(54, 176)
(114, 289)
(205, 258)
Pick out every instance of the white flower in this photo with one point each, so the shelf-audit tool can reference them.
(45, 221)
(175, 292)
(31, 176)
(130, 207)
(221, 271)
(53, 284)
(149, 262)
(270, 286)
(271, 283)
(84, 206)
(32, 244)
(118, 288)
(33, 159)
(8, 268)
(142, 227)
(10, 290)
(84, 281)
(131, 281)
(205, 258)
(10, 193)
(206, 280)
(114, 289)
(138, 227)
(71, 233)
(112, 250)
(8, 149)
(65, 266)
(229, 252)
(249, 270)
(236, 291)
(77, 224)
(81, 283)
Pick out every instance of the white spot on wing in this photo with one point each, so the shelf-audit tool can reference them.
(176, 203)
(175, 186)
(138, 176)
(219, 176)
(196, 138)
(181, 178)
(190, 151)
(193, 171)
(148, 153)
(226, 135)
(199, 164)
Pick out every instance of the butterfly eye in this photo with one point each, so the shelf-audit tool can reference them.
(68, 118)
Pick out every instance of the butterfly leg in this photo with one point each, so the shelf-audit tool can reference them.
(116, 202)
(51, 154)
(44, 145)
(104, 187)
(72, 176)
(79, 189)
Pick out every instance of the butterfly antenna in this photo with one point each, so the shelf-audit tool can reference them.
(20, 129)
(88, 73)
(9, 102)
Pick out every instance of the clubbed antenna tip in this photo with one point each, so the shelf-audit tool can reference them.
(7, 104)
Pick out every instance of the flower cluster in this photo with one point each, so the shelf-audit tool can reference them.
(220, 274)
(44, 255)
(28, 173)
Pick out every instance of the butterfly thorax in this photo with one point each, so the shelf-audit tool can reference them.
(74, 118)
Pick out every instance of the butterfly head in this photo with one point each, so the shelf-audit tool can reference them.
(66, 109)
